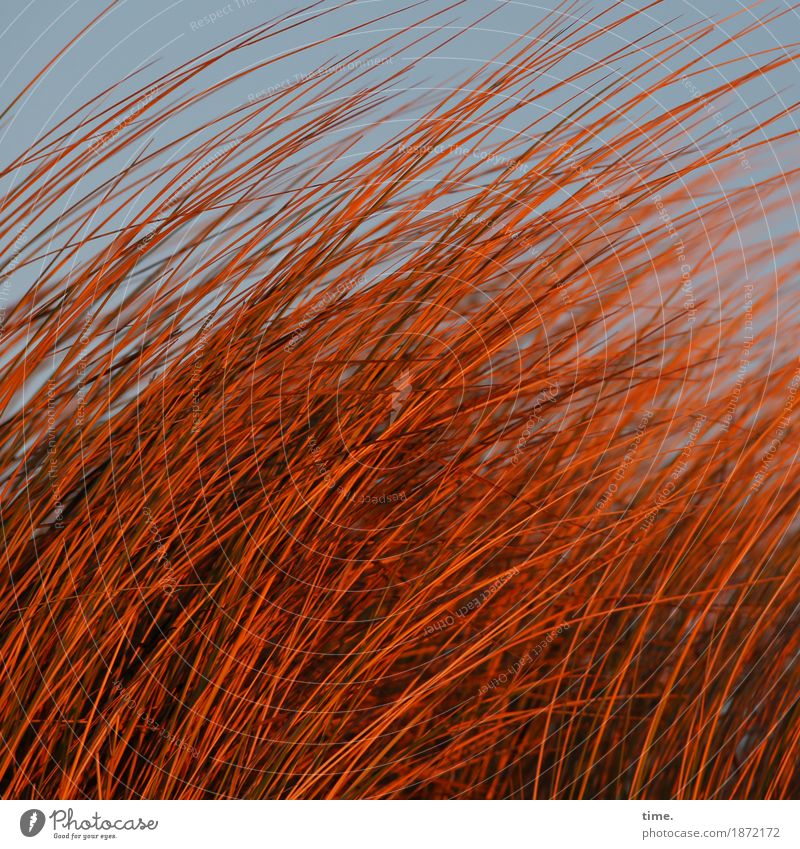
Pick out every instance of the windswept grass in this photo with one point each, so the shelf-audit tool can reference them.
(461, 465)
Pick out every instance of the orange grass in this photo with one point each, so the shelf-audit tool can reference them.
(405, 472)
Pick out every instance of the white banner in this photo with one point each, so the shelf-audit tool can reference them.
(401, 824)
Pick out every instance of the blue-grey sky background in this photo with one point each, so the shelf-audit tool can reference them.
(141, 32)
(138, 32)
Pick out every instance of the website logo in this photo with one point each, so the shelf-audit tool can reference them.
(31, 822)
(402, 389)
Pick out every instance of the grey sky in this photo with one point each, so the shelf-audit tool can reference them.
(138, 32)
